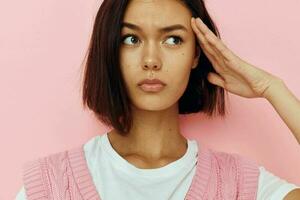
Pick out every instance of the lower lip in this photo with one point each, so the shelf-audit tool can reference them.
(151, 87)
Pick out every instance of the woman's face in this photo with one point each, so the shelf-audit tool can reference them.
(149, 53)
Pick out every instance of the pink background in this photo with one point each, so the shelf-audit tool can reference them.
(42, 45)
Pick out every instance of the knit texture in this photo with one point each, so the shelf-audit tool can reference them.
(65, 176)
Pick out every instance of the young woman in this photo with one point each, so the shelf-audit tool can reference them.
(148, 62)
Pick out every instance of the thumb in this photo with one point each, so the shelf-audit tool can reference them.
(216, 79)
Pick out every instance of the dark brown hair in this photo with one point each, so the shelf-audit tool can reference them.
(104, 88)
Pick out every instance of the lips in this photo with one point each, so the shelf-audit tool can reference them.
(151, 85)
(151, 81)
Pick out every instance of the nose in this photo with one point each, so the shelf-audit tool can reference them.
(151, 65)
(151, 60)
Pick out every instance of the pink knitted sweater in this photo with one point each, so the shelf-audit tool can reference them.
(65, 176)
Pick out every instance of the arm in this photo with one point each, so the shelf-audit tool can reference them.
(244, 79)
(240, 77)
(286, 105)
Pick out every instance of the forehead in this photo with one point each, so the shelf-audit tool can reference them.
(157, 13)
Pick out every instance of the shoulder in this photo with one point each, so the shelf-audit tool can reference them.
(57, 169)
(56, 163)
(45, 173)
(62, 156)
(242, 169)
(236, 174)
(51, 159)
(226, 158)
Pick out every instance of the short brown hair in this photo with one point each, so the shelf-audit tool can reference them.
(103, 86)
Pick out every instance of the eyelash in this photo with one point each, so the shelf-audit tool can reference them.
(174, 36)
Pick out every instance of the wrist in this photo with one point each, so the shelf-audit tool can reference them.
(274, 88)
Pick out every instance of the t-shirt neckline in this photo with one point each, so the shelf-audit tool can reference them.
(84, 179)
(167, 170)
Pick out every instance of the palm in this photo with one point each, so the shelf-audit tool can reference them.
(233, 74)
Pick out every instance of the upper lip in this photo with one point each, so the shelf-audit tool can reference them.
(151, 81)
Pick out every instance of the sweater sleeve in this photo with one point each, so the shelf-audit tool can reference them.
(21, 194)
(272, 187)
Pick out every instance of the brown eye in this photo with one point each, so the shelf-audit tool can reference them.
(176, 38)
(129, 39)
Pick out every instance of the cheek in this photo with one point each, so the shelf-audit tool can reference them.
(128, 68)
(180, 65)
(129, 76)
(179, 80)
(184, 58)
(180, 72)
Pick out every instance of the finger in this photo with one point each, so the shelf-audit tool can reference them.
(216, 79)
(215, 62)
(214, 40)
(203, 42)
(209, 50)
(219, 46)
(200, 37)
(228, 55)
(213, 52)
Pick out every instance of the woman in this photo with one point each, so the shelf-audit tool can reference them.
(148, 62)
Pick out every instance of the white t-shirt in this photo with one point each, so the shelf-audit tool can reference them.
(116, 178)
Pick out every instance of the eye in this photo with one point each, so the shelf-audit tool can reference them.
(176, 38)
(133, 38)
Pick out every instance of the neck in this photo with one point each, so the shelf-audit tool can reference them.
(154, 135)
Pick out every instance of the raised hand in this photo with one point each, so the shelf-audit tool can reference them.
(233, 74)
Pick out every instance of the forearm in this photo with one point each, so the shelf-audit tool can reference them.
(286, 105)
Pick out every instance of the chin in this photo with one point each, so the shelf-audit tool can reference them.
(153, 105)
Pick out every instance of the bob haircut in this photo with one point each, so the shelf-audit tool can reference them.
(103, 86)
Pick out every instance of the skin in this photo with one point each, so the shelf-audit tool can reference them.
(155, 139)
(246, 80)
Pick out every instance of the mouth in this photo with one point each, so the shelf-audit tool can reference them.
(151, 81)
(153, 87)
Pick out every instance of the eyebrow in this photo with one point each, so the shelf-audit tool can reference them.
(161, 30)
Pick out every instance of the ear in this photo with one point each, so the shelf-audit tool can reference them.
(196, 59)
